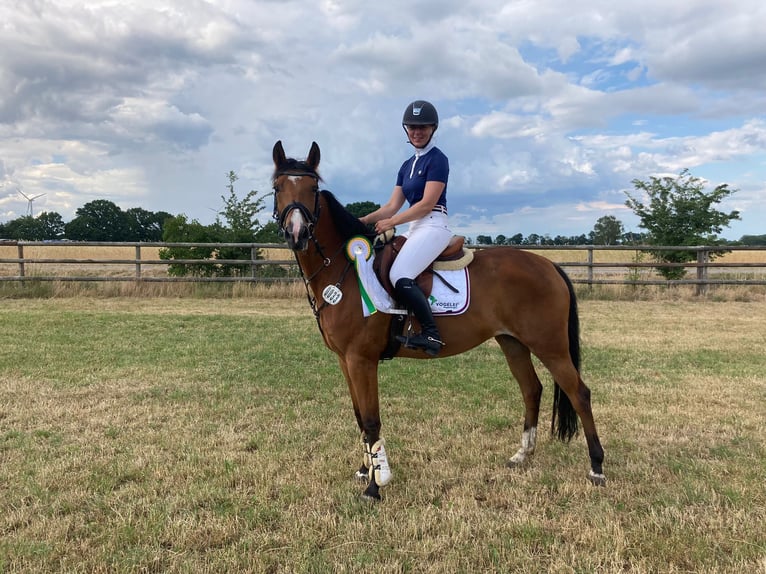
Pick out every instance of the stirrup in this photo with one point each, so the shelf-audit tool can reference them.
(431, 345)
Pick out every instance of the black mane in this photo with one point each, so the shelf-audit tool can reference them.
(348, 225)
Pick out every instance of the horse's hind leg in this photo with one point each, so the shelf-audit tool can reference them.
(568, 378)
(520, 362)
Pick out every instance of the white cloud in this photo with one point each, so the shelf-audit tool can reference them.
(548, 110)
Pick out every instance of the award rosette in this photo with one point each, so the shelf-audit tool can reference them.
(359, 251)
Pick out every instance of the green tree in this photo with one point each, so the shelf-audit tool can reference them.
(483, 240)
(99, 220)
(680, 212)
(47, 226)
(532, 239)
(144, 225)
(52, 225)
(501, 240)
(362, 208)
(269, 233)
(180, 230)
(237, 222)
(607, 231)
(753, 240)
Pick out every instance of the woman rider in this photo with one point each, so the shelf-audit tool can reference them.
(422, 183)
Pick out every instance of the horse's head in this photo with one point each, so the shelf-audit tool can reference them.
(296, 195)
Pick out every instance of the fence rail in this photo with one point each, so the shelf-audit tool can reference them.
(33, 260)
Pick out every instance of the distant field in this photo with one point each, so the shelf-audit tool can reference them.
(106, 252)
(128, 270)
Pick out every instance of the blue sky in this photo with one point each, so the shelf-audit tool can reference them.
(548, 109)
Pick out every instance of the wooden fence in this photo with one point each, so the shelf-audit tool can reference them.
(139, 262)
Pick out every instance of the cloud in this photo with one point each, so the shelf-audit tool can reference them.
(548, 110)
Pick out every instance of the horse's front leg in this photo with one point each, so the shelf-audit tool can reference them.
(362, 377)
(364, 470)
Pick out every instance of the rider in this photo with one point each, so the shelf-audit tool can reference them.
(422, 182)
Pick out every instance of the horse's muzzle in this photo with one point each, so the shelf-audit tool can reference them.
(296, 231)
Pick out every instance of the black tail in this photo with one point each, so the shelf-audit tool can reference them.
(567, 426)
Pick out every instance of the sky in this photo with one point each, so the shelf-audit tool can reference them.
(549, 109)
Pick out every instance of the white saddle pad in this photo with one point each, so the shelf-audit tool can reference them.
(374, 297)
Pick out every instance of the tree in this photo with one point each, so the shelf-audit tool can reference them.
(753, 240)
(180, 230)
(143, 225)
(361, 208)
(48, 226)
(237, 222)
(483, 240)
(532, 239)
(680, 212)
(607, 231)
(99, 220)
(239, 225)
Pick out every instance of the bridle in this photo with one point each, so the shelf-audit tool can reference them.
(311, 219)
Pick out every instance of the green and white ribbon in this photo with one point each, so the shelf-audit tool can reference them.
(359, 250)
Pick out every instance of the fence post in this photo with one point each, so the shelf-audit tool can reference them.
(590, 267)
(138, 263)
(20, 249)
(703, 257)
(253, 257)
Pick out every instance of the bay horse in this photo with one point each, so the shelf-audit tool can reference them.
(522, 300)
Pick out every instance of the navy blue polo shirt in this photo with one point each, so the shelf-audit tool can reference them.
(432, 166)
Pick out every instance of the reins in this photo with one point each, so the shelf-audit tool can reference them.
(312, 218)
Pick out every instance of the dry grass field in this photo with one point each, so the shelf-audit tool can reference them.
(185, 434)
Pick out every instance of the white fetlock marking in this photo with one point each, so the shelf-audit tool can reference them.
(528, 443)
(596, 477)
(380, 467)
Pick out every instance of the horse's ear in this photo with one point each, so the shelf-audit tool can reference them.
(313, 159)
(278, 154)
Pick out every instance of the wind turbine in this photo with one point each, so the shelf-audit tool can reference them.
(30, 200)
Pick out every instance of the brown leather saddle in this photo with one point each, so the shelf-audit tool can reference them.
(386, 253)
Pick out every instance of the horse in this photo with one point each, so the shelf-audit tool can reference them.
(522, 300)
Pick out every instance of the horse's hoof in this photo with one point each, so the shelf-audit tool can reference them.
(372, 492)
(514, 464)
(597, 479)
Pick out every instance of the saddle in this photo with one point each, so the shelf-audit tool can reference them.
(454, 256)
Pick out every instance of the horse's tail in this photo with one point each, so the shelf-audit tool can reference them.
(562, 406)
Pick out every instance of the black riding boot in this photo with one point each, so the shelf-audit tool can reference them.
(408, 293)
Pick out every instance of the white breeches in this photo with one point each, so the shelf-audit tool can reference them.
(426, 238)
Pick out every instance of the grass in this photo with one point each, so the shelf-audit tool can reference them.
(201, 434)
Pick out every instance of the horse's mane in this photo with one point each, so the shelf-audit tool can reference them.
(347, 224)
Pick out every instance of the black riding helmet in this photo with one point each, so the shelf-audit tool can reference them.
(420, 113)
